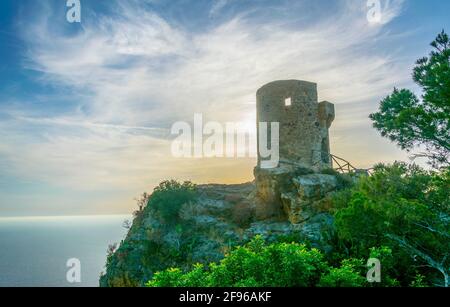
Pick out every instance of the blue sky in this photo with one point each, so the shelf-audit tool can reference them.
(85, 108)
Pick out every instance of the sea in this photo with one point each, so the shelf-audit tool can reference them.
(56, 251)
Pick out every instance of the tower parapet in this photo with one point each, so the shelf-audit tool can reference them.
(303, 122)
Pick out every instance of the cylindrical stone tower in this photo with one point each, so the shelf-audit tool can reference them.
(303, 122)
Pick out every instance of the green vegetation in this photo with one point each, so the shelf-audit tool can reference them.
(409, 121)
(167, 199)
(259, 265)
(399, 215)
(404, 208)
(145, 250)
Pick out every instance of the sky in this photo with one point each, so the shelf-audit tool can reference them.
(86, 108)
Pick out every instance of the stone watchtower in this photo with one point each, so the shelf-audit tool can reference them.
(304, 148)
(303, 135)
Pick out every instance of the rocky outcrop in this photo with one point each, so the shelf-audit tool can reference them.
(296, 194)
(309, 197)
(286, 204)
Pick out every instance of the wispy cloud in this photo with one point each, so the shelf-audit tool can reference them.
(137, 72)
(139, 67)
(217, 6)
(62, 121)
(389, 10)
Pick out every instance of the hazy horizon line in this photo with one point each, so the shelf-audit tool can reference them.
(31, 217)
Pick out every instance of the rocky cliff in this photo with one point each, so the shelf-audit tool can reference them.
(286, 204)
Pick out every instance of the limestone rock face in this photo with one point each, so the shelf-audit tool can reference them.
(309, 197)
(270, 185)
(295, 194)
(315, 186)
(223, 216)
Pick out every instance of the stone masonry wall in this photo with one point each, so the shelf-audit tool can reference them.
(304, 124)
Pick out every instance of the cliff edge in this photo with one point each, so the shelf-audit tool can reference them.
(288, 204)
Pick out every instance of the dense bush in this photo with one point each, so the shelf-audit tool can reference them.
(347, 275)
(168, 198)
(405, 209)
(259, 265)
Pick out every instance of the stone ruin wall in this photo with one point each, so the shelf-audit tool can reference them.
(304, 138)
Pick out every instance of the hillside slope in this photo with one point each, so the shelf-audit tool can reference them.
(221, 217)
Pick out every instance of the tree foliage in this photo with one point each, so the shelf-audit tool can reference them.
(405, 209)
(260, 265)
(410, 121)
(168, 198)
(345, 276)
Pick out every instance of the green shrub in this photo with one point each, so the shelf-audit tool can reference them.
(419, 282)
(168, 198)
(260, 265)
(345, 276)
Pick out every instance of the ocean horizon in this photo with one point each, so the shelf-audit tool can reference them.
(34, 250)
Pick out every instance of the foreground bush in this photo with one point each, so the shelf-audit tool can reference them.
(259, 265)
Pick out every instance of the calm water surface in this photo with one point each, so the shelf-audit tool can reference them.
(34, 251)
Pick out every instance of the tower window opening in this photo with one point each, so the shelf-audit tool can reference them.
(288, 102)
